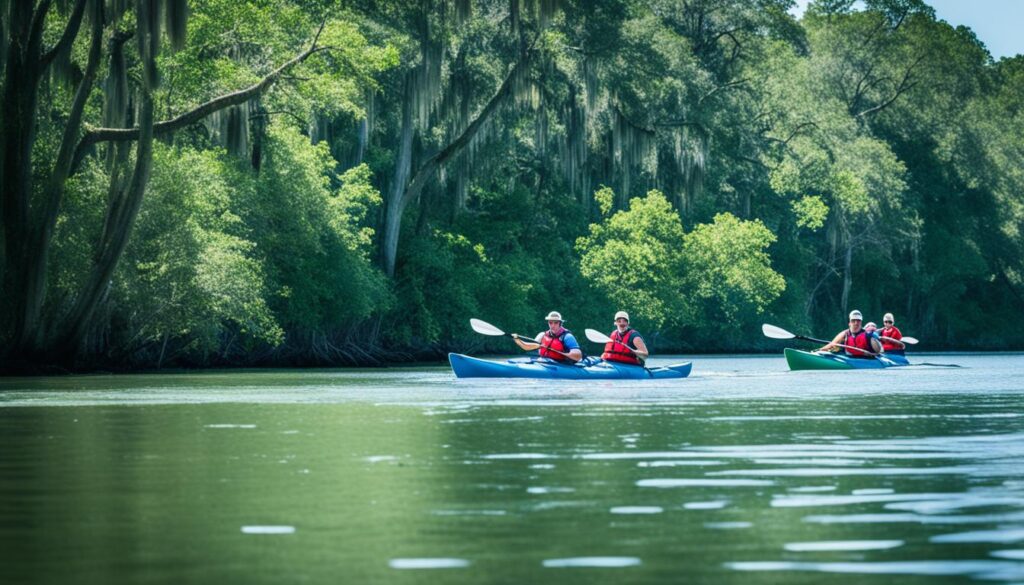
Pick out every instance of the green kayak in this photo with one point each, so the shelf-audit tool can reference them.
(807, 360)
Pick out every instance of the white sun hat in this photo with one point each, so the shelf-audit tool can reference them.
(888, 317)
(855, 314)
(622, 315)
(554, 316)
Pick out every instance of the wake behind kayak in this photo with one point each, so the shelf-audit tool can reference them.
(469, 367)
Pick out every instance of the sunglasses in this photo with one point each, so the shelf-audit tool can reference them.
(886, 321)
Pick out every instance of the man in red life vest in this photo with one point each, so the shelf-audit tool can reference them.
(859, 343)
(891, 336)
(626, 346)
(557, 343)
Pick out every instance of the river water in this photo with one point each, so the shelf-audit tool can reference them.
(743, 473)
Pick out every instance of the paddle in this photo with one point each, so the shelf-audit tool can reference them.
(485, 328)
(908, 340)
(780, 333)
(598, 337)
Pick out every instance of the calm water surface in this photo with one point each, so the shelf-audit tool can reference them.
(743, 473)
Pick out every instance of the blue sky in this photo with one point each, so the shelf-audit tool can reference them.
(997, 23)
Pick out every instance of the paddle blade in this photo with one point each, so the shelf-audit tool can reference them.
(909, 340)
(597, 336)
(776, 332)
(484, 328)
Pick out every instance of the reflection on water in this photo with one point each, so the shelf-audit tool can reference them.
(428, 563)
(743, 473)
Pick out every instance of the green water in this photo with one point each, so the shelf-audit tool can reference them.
(744, 473)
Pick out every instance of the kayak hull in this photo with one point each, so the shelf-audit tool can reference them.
(807, 360)
(465, 366)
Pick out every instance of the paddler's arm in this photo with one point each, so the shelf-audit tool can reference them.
(876, 345)
(641, 348)
(833, 345)
(574, 352)
(525, 345)
(894, 340)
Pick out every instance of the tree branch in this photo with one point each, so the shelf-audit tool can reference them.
(719, 88)
(905, 84)
(35, 38)
(66, 39)
(196, 114)
(429, 166)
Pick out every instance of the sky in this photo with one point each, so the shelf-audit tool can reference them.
(997, 23)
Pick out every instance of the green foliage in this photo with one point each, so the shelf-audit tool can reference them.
(351, 210)
(315, 244)
(189, 275)
(729, 279)
(709, 280)
(811, 212)
(605, 199)
(635, 257)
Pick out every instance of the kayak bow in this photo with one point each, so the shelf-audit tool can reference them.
(807, 360)
(465, 366)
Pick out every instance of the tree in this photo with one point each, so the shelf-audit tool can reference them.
(31, 210)
(712, 281)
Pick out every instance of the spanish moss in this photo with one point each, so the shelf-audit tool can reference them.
(149, 16)
(176, 22)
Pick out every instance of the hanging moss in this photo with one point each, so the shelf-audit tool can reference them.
(513, 16)
(690, 153)
(230, 128)
(5, 36)
(258, 129)
(632, 147)
(149, 17)
(236, 136)
(427, 80)
(176, 21)
(573, 145)
(62, 70)
(463, 10)
(115, 87)
(116, 9)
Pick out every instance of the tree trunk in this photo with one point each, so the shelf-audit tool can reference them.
(124, 212)
(396, 201)
(20, 91)
(847, 276)
(34, 283)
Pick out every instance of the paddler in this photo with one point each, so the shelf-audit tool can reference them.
(859, 343)
(891, 336)
(626, 346)
(557, 343)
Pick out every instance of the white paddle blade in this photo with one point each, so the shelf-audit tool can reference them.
(484, 328)
(909, 340)
(776, 332)
(597, 337)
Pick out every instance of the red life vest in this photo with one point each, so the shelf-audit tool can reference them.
(861, 341)
(613, 352)
(555, 342)
(894, 333)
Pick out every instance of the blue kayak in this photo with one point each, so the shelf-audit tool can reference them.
(543, 368)
(819, 360)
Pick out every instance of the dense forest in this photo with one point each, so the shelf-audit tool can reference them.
(289, 182)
